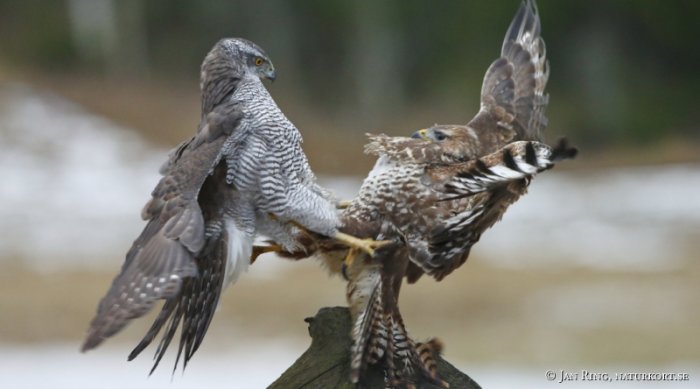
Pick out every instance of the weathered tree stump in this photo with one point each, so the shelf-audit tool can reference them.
(326, 363)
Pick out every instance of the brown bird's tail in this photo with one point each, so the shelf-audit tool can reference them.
(369, 332)
(379, 334)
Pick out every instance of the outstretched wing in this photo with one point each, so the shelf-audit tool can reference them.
(515, 161)
(476, 194)
(512, 94)
(195, 303)
(164, 254)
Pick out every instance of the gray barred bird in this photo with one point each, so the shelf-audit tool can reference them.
(433, 195)
(244, 173)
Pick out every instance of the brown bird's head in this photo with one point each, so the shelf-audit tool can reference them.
(456, 142)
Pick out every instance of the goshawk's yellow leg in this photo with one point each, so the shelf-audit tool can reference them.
(366, 245)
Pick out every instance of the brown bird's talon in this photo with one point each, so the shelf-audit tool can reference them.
(349, 260)
(260, 250)
(344, 271)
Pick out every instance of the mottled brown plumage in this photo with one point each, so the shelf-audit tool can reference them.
(435, 213)
(434, 194)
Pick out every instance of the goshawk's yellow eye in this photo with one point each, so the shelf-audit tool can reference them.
(258, 61)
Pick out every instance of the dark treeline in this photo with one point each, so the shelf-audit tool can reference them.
(623, 71)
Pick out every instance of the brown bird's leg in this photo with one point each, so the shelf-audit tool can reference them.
(349, 258)
(260, 250)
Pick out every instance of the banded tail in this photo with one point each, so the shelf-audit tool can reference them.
(369, 331)
(379, 334)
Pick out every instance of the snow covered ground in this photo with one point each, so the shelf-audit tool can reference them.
(62, 366)
(73, 185)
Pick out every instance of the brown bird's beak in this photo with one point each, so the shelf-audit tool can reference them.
(421, 134)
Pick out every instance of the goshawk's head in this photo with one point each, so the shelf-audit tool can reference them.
(229, 61)
(239, 57)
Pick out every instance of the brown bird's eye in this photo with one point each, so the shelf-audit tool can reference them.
(439, 135)
(258, 61)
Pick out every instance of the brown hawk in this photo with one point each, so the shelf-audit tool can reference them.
(433, 195)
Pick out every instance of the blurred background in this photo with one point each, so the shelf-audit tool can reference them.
(596, 269)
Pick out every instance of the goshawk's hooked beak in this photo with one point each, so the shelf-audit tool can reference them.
(270, 73)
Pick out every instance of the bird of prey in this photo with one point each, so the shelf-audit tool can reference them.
(434, 194)
(243, 173)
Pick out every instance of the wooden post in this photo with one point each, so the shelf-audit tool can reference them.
(326, 363)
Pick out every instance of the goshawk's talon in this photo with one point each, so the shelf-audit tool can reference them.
(366, 245)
